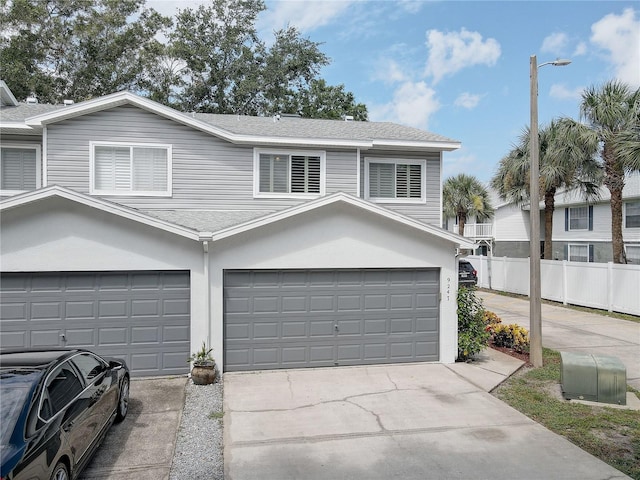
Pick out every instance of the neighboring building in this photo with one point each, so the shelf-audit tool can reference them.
(139, 231)
(581, 230)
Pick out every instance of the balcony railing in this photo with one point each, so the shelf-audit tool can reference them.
(475, 230)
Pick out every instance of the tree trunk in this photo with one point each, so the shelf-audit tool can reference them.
(549, 207)
(462, 219)
(614, 180)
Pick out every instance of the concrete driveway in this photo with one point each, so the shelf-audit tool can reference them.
(142, 446)
(570, 330)
(411, 421)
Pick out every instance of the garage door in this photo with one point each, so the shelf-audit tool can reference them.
(312, 318)
(142, 317)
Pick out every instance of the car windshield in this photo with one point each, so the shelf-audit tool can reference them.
(12, 399)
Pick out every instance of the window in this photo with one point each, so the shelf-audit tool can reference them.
(632, 214)
(63, 385)
(633, 253)
(395, 180)
(19, 169)
(289, 174)
(578, 218)
(119, 169)
(89, 366)
(580, 252)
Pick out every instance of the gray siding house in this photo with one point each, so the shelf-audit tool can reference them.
(138, 231)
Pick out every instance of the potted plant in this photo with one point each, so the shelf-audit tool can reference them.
(204, 366)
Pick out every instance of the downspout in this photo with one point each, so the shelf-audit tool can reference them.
(358, 173)
(45, 168)
(205, 246)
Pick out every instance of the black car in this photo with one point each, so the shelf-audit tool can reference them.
(55, 408)
(467, 275)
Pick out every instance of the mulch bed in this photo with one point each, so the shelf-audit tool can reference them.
(520, 356)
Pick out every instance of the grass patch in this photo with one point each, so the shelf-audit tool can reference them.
(610, 434)
(216, 415)
(621, 316)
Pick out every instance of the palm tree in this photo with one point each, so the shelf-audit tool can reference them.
(562, 165)
(612, 127)
(463, 197)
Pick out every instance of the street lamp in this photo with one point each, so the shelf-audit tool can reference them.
(535, 310)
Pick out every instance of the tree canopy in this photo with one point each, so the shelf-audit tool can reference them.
(212, 60)
(463, 196)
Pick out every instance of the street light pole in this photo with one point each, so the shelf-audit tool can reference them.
(535, 308)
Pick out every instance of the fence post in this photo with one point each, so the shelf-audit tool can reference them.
(610, 286)
(564, 282)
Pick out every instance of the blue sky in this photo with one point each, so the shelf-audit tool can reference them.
(461, 69)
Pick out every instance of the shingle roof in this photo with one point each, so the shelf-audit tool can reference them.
(26, 110)
(296, 127)
(206, 220)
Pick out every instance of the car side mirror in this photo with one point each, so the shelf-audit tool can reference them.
(115, 365)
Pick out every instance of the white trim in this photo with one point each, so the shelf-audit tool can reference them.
(288, 152)
(358, 174)
(339, 197)
(633, 245)
(56, 191)
(45, 164)
(23, 146)
(396, 161)
(7, 95)
(131, 193)
(435, 145)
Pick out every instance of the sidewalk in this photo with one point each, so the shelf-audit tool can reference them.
(569, 330)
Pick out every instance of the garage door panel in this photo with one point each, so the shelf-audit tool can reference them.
(142, 317)
(381, 316)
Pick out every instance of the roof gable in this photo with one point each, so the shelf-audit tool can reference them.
(56, 191)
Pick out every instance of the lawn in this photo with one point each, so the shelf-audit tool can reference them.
(613, 435)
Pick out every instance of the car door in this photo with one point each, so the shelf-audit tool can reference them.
(66, 400)
(101, 391)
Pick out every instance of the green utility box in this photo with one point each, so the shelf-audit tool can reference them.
(597, 378)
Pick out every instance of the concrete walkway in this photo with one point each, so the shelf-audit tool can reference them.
(409, 421)
(570, 330)
(142, 446)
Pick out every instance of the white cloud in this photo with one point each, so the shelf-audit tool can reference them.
(305, 16)
(619, 35)
(411, 6)
(451, 52)
(412, 104)
(458, 162)
(581, 49)
(561, 92)
(467, 100)
(389, 71)
(555, 43)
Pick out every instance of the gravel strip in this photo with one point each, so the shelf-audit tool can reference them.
(198, 453)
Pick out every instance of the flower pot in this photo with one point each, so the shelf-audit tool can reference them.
(203, 374)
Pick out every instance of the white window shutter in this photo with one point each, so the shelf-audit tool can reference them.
(149, 169)
(381, 180)
(19, 169)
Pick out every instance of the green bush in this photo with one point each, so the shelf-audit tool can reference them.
(510, 336)
(473, 336)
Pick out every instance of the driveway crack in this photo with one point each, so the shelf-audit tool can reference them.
(375, 415)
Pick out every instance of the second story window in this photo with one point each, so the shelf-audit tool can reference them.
(578, 218)
(632, 214)
(289, 174)
(395, 180)
(119, 169)
(19, 169)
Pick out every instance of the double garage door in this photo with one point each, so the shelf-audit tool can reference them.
(308, 318)
(142, 317)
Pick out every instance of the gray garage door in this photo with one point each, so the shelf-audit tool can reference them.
(313, 318)
(142, 317)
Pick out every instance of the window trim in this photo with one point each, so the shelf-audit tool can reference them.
(632, 245)
(624, 213)
(290, 153)
(132, 193)
(586, 207)
(587, 245)
(38, 150)
(396, 161)
(83, 382)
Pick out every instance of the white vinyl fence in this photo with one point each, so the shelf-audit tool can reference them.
(606, 286)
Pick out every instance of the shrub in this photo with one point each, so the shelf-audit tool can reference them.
(510, 336)
(491, 318)
(472, 334)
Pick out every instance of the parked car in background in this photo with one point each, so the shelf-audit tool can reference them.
(467, 275)
(55, 408)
